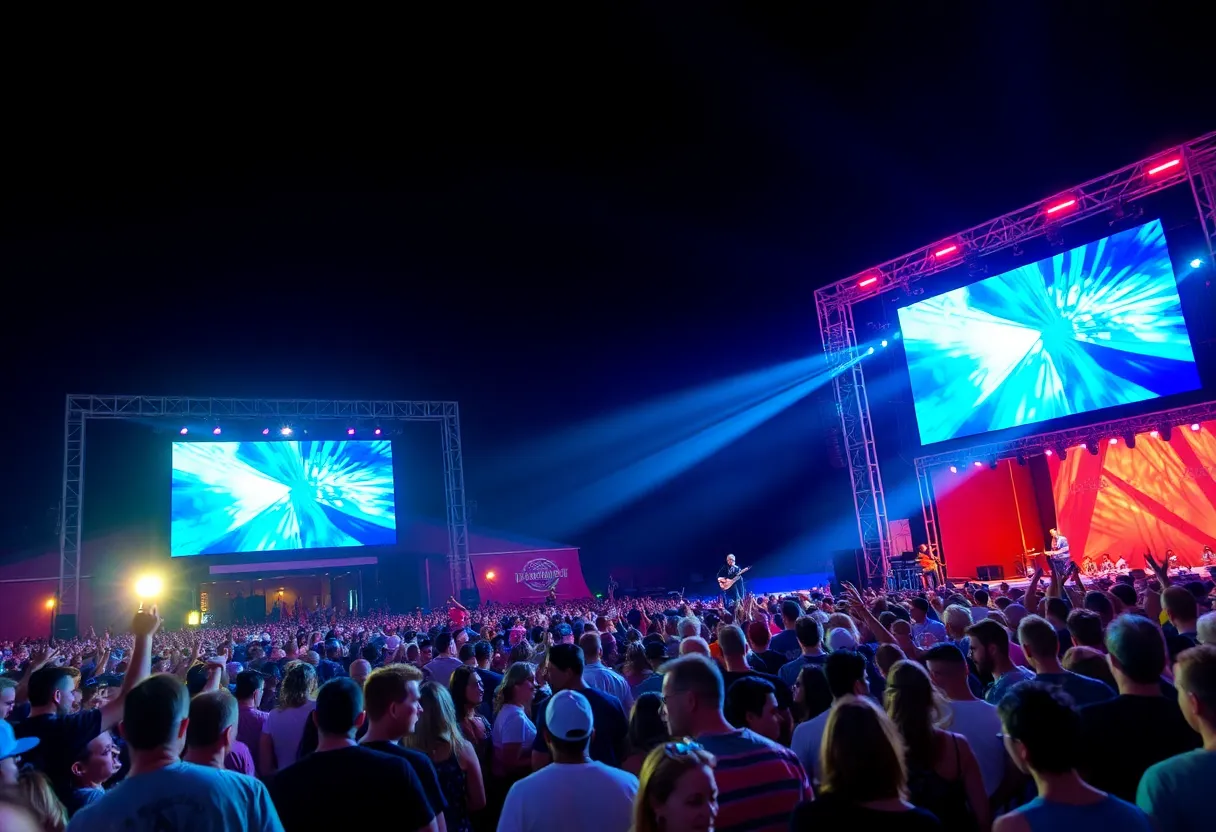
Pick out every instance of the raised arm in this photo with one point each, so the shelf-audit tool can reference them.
(144, 625)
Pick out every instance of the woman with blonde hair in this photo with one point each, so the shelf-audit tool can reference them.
(437, 734)
(943, 774)
(38, 796)
(514, 731)
(284, 726)
(862, 774)
(676, 790)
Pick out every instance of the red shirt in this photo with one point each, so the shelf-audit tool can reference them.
(459, 617)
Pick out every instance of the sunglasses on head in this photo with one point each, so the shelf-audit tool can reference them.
(682, 748)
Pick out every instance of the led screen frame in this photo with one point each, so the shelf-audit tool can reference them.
(1094, 327)
(265, 496)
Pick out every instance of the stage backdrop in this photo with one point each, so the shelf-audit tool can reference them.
(986, 517)
(1126, 501)
(509, 577)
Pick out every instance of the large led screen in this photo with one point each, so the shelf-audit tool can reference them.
(270, 496)
(1096, 326)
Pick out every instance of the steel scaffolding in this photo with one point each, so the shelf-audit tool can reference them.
(1193, 163)
(82, 407)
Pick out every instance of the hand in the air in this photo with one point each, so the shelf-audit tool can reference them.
(146, 622)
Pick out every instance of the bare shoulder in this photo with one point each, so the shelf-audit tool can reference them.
(1012, 822)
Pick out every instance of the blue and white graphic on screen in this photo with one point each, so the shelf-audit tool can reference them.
(1097, 326)
(267, 496)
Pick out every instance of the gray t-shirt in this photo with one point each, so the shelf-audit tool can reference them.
(185, 798)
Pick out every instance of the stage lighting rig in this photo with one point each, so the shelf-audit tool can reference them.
(1091, 445)
(1166, 431)
(1129, 439)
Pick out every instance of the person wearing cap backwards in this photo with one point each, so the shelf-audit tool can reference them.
(11, 750)
(574, 792)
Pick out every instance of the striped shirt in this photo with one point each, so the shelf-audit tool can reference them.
(759, 782)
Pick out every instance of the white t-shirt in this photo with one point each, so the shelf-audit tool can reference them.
(563, 796)
(286, 729)
(978, 722)
(511, 725)
(806, 741)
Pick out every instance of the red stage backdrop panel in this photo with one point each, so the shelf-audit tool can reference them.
(527, 576)
(986, 517)
(1126, 501)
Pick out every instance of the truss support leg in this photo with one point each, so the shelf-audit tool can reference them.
(453, 485)
(71, 508)
(928, 507)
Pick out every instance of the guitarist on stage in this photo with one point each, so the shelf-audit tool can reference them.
(730, 580)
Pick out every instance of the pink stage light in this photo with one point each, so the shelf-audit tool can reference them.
(1164, 166)
(1062, 206)
(350, 431)
(946, 251)
(217, 431)
(1049, 452)
(869, 281)
(265, 431)
(1195, 426)
(1114, 441)
(979, 464)
(376, 431)
(953, 469)
(1154, 433)
(184, 431)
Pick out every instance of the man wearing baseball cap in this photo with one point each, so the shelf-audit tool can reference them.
(11, 750)
(574, 792)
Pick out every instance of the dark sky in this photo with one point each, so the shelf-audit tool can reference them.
(545, 218)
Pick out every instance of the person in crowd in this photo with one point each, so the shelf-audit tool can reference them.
(1205, 633)
(1182, 611)
(97, 765)
(483, 652)
(11, 749)
(693, 692)
(163, 792)
(575, 791)
(251, 719)
(1174, 792)
(39, 796)
(786, 641)
(8, 696)
(439, 669)
(340, 766)
(990, 652)
(359, 670)
(973, 718)
(676, 789)
(64, 735)
(392, 700)
(751, 702)
(564, 670)
(438, 735)
(647, 730)
(733, 646)
(211, 734)
(513, 733)
(845, 671)
(1041, 645)
(1090, 662)
(284, 727)
(762, 657)
(469, 698)
(865, 790)
(1086, 629)
(600, 677)
(810, 638)
(926, 631)
(943, 775)
(1042, 733)
(1114, 753)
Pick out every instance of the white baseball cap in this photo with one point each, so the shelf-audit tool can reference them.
(568, 716)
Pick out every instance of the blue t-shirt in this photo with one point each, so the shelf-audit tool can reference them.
(1174, 792)
(1110, 813)
(790, 670)
(997, 690)
(185, 798)
(786, 642)
(1083, 690)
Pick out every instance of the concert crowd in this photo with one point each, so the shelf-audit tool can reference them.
(1073, 704)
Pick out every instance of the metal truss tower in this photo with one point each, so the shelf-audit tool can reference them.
(80, 408)
(1193, 163)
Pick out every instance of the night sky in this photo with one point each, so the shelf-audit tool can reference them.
(547, 219)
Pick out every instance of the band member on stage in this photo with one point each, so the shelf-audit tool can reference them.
(1088, 566)
(1209, 559)
(1106, 564)
(930, 563)
(1061, 562)
(730, 580)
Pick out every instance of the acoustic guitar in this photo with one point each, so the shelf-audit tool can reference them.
(726, 583)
